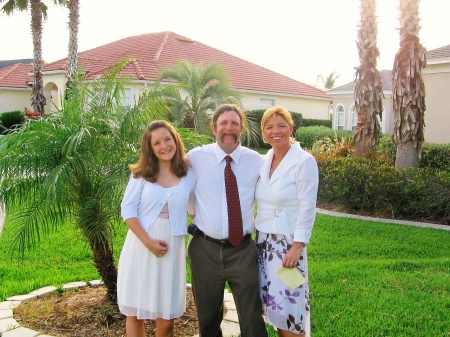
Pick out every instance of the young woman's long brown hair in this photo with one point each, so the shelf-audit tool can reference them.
(148, 166)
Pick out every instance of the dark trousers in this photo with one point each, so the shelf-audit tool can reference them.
(211, 266)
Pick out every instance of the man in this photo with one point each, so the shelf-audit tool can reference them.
(214, 259)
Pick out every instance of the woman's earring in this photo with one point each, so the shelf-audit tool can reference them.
(264, 140)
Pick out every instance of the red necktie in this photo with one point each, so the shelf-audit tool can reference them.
(235, 231)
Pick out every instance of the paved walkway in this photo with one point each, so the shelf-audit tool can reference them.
(9, 327)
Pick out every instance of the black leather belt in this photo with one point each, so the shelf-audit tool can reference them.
(224, 242)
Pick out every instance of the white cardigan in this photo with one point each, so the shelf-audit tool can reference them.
(287, 201)
(145, 200)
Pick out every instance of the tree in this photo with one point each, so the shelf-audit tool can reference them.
(72, 167)
(408, 89)
(368, 89)
(328, 81)
(38, 13)
(74, 9)
(197, 91)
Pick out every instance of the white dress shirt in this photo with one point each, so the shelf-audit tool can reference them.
(287, 200)
(145, 200)
(211, 215)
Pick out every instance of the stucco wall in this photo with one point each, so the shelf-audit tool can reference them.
(11, 100)
(309, 107)
(436, 78)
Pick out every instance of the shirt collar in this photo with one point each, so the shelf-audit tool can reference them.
(220, 154)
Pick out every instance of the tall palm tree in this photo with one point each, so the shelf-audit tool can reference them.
(368, 93)
(73, 166)
(74, 16)
(196, 92)
(38, 13)
(408, 89)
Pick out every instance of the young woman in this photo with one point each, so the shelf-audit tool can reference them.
(152, 267)
(286, 195)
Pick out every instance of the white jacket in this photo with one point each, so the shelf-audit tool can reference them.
(287, 201)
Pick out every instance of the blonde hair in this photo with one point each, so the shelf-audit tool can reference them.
(147, 166)
(280, 111)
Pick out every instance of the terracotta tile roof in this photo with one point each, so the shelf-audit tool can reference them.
(151, 53)
(16, 76)
(439, 53)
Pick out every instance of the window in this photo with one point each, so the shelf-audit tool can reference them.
(266, 103)
(340, 117)
(354, 119)
(381, 122)
(128, 99)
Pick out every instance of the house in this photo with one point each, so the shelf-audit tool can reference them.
(345, 116)
(152, 53)
(436, 78)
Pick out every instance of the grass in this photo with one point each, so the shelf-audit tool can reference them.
(366, 278)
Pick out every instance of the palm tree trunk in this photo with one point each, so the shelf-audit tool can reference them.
(104, 262)
(74, 9)
(368, 90)
(407, 155)
(38, 100)
(408, 89)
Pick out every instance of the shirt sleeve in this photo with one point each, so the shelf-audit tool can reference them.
(307, 180)
(132, 198)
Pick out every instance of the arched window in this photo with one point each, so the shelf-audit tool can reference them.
(340, 117)
(353, 118)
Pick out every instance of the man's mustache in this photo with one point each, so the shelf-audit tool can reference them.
(235, 136)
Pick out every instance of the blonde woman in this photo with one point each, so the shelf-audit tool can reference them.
(286, 195)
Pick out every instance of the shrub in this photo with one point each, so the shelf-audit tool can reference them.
(11, 120)
(307, 136)
(436, 156)
(373, 184)
(317, 122)
(433, 156)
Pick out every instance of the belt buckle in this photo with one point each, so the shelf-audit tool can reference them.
(276, 212)
(224, 242)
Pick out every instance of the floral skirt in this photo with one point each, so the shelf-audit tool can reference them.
(285, 308)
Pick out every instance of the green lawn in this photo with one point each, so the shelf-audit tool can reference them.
(366, 278)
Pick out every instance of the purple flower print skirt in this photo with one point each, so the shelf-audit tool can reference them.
(285, 308)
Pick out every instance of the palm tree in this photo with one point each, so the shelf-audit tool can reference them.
(38, 13)
(408, 89)
(368, 90)
(74, 9)
(328, 81)
(73, 166)
(196, 92)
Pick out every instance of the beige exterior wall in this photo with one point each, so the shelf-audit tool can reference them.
(436, 77)
(55, 83)
(14, 99)
(347, 101)
(309, 107)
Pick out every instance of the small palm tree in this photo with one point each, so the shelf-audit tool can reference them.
(408, 89)
(38, 13)
(197, 91)
(368, 90)
(328, 81)
(73, 167)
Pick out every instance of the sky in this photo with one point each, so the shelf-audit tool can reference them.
(297, 38)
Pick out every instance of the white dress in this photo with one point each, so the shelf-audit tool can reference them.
(148, 286)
